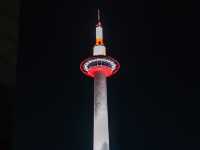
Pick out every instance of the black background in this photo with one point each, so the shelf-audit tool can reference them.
(153, 100)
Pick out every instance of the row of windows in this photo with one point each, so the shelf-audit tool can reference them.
(98, 63)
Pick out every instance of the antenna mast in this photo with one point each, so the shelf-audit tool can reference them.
(98, 15)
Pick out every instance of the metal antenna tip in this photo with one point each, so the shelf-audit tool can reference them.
(98, 15)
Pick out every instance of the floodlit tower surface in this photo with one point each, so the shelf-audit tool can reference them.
(100, 66)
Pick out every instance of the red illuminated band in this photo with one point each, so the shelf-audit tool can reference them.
(106, 65)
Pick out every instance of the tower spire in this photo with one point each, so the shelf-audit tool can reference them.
(98, 15)
(99, 30)
(99, 48)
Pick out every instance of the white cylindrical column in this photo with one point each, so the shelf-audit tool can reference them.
(99, 32)
(101, 133)
(99, 50)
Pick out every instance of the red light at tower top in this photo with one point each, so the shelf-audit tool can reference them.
(99, 62)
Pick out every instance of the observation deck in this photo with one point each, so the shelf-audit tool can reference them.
(104, 64)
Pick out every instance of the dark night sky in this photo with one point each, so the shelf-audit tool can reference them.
(153, 100)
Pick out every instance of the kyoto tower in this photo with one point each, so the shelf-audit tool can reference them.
(100, 66)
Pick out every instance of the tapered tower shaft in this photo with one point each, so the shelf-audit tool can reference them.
(101, 134)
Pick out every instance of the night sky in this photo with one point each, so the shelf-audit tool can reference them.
(154, 99)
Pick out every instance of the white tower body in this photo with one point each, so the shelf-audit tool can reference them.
(100, 66)
(101, 132)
